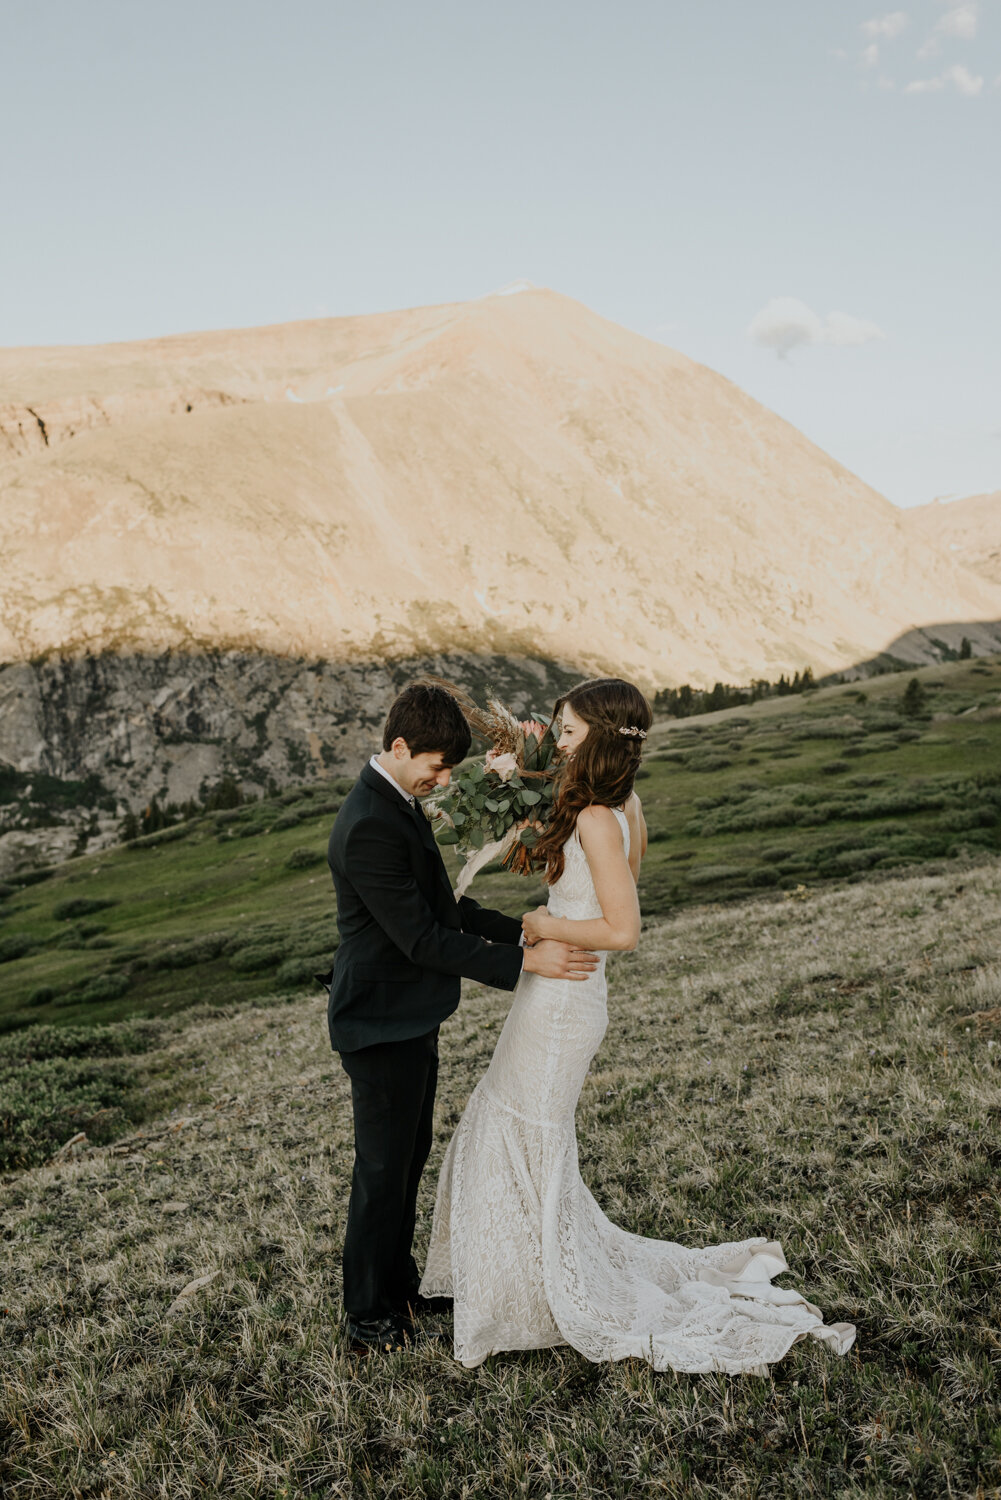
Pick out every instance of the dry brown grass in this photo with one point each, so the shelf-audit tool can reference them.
(824, 1070)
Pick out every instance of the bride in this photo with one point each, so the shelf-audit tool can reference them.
(518, 1241)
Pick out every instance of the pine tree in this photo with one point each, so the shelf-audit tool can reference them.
(965, 649)
(914, 699)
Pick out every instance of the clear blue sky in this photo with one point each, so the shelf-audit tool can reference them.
(679, 167)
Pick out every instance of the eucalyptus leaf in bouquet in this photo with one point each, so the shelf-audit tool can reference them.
(496, 806)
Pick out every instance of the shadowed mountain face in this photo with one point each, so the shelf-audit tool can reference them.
(968, 530)
(513, 475)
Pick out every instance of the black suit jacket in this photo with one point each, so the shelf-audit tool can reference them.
(405, 940)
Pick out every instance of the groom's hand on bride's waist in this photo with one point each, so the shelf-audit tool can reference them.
(557, 960)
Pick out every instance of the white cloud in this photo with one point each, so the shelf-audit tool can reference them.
(959, 20)
(786, 323)
(966, 83)
(870, 56)
(844, 329)
(885, 27)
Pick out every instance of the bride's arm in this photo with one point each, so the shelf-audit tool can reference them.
(618, 927)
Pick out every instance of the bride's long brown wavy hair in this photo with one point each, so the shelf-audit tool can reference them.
(603, 767)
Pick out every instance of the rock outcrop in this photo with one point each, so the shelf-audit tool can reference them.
(171, 726)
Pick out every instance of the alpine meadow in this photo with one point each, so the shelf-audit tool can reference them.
(804, 1045)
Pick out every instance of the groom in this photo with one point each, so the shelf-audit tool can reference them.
(405, 944)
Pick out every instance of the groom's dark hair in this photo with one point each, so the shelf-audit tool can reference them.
(428, 718)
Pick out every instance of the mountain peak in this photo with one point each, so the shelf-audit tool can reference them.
(511, 474)
(513, 287)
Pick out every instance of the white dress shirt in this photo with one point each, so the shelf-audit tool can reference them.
(407, 796)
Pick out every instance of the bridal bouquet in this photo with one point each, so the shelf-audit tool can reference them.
(495, 807)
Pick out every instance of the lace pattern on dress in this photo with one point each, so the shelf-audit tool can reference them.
(525, 1251)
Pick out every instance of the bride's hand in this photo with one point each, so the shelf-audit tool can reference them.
(534, 924)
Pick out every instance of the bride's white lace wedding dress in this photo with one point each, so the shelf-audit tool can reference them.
(523, 1247)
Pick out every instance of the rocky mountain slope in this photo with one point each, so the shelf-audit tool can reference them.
(968, 530)
(511, 475)
(85, 739)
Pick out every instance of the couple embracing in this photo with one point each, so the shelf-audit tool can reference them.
(519, 1247)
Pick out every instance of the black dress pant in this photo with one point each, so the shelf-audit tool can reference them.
(392, 1096)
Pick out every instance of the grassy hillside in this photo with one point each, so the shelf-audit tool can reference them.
(238, 904)
(822, 1069)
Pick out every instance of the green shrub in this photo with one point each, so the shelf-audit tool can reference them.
(58, 1080)
(136, 956)
(329, 808)
(847, 861)
(7, 890)
(258, 956)
(69, 939)
(833, 767)
(776, 853)
(971, 817)
(303, 970)
(709, 874)
(43, 995)
(17, 945)
(825, 729)
(707, 761)
(35, 877)
(795, 869)
(185, 955)
(288, 820)
(164, 836)
(106, 986)
(304, 859)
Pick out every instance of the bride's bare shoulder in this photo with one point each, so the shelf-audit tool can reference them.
(598, 827)
(596, 817)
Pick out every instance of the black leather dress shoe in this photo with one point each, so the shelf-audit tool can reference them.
(417, 1306)
(383, 1335)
